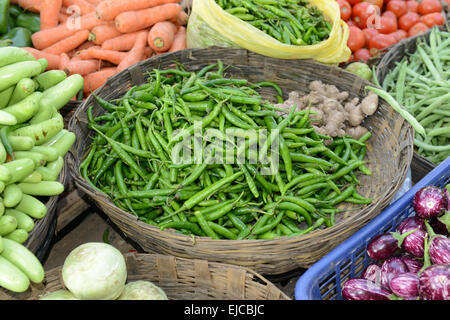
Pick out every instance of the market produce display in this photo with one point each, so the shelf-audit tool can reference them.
(377, 24)
(290, 22)
(17, 25)
(107, 37)
(131, 159)
(98, 271)
(32, 149)
(419, 84)
(412, 263)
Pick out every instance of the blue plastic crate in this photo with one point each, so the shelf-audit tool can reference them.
(323, 280)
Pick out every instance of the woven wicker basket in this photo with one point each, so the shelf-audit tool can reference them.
(389, 153)
(181, 279)
(420, 166)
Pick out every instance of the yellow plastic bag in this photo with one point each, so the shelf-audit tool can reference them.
(209, 25)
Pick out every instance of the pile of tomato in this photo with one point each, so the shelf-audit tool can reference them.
(377, 24)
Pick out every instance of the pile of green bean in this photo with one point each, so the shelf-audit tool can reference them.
(420, 82)
(291, 22)
(130, 159)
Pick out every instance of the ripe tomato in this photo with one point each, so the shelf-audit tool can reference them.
(351, 23)
(378, 3)
(400, 34)
(363, 12)
(356, 39)
(362, 54)
(381, 41)
(399, 7)
(419, 27)
(369, 33)
(346, 9)
(429, 6)
(408, 20)
(412, 6)
(433, 19)
(387, 25)
(353, 2)
(389, 14)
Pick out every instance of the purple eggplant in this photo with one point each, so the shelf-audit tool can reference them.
(410, 234)
(382, 246)
(441, 224)
(372, 273)
(391, 267)
(438, 247)
(363, 289)
(405, 285)
(430, 201)
(434, 282)
(412, 264)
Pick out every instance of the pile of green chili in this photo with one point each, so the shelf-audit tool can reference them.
(130, 159)
(291, 22)
(420, 83)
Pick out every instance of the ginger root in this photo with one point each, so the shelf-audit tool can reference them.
(333, 112)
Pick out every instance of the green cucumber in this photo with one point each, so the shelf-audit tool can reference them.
(5, 96)
(52, 170)
(7, 224)
(23, 259)
(18, 235)
(11, 277)
(11, 55)
(38, 158)
(41, 132)
(43, 188)
(25, 109)
(7, 119)
(21, 143)
(50, 154)
(12, 195)
(24, 221)
(50, 78)
(23, 89)
(58, 95)
(32, 207)
(19, 169)
(34, 177)
(11, 74)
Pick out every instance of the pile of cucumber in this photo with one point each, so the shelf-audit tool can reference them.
(33, 143)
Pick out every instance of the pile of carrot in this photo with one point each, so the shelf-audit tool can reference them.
(99, 38)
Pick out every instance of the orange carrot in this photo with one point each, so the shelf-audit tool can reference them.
(179, 43)
(182, 18)
(63, 60)
(49, 13)
(83, 6)
(109, 10)
(121, 43)
(30, 5)
(114, 57)
(86, 45)
(69, 43)
(161, 35)
(137, 20)
(62, 17)
(94, 2)
(136, 54)
(95, 80)
(53, 59)
(147, 53)
(100, 34)
(82, 67)
(45, 38)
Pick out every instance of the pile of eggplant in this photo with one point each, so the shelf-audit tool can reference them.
(413, 262)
